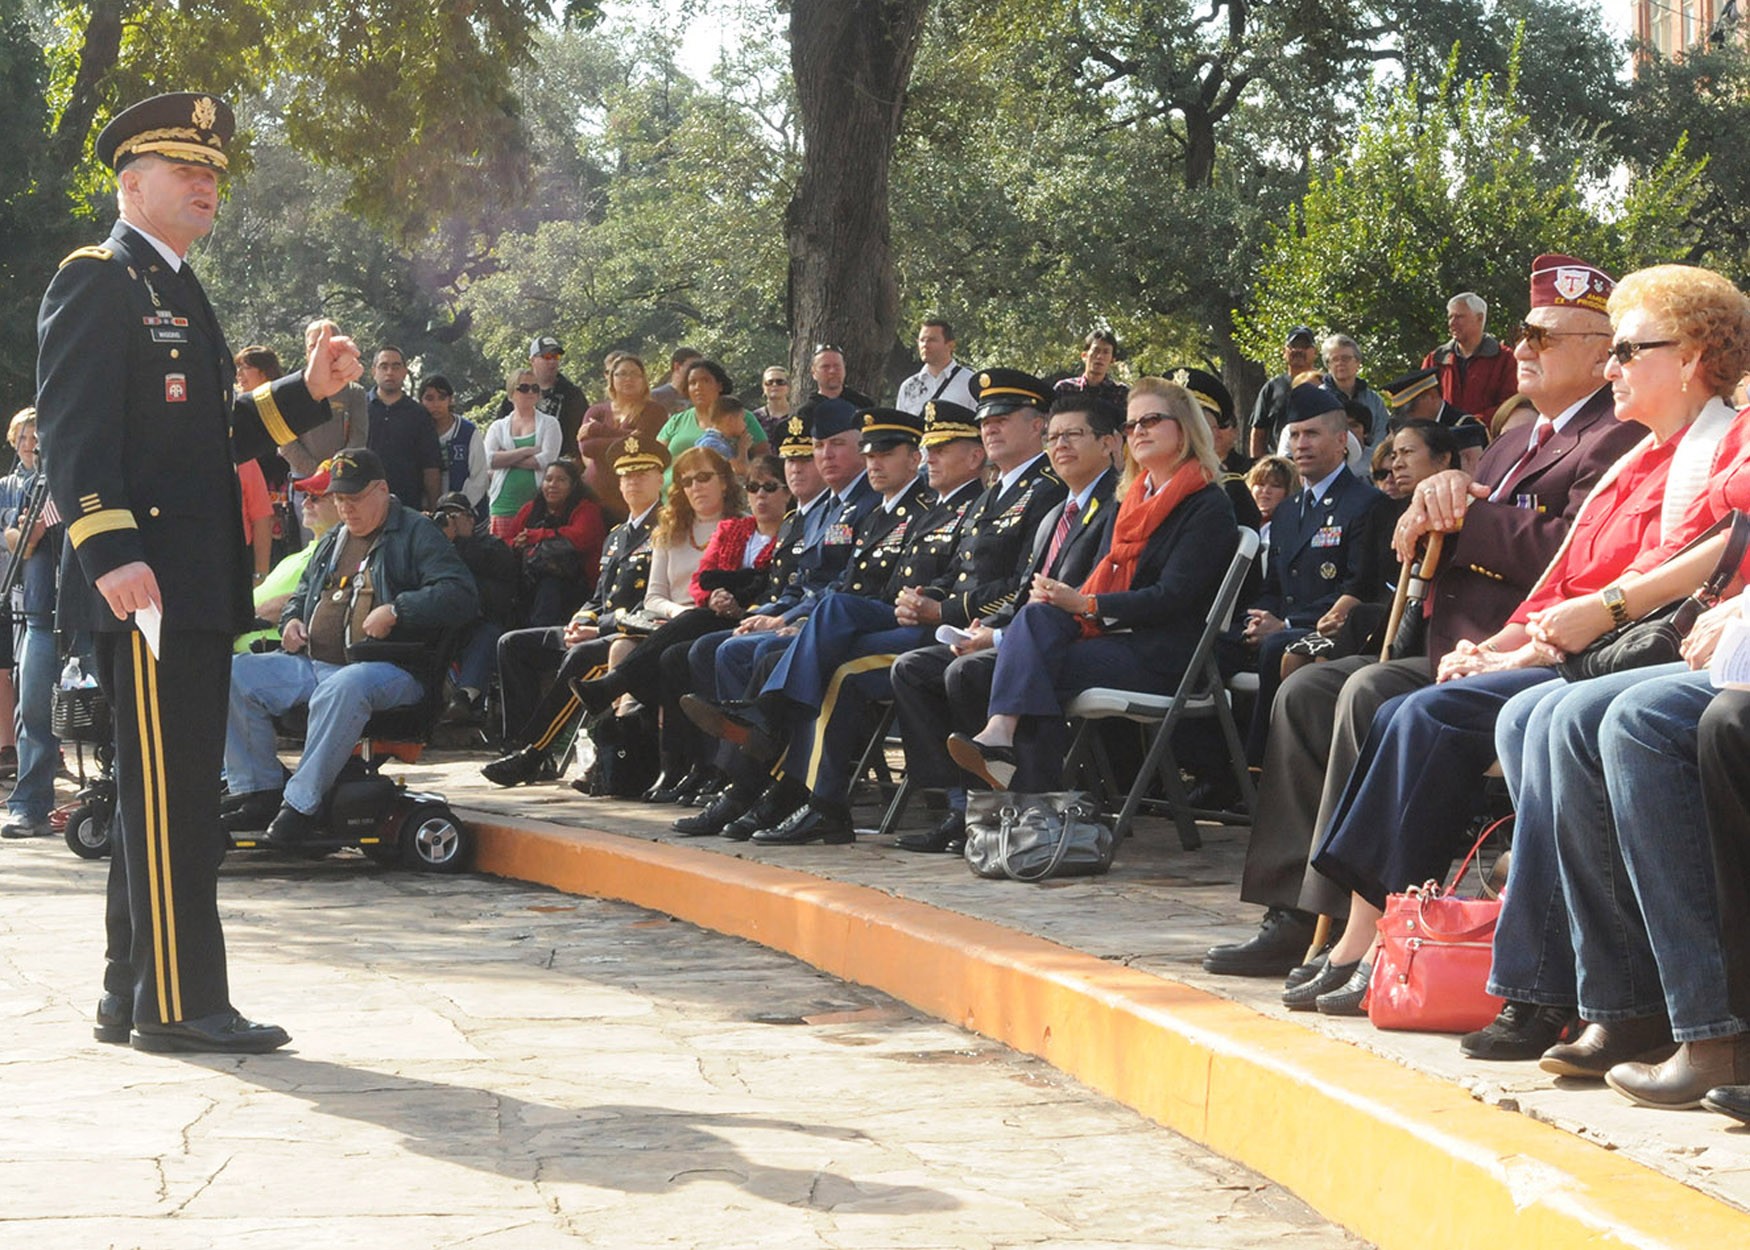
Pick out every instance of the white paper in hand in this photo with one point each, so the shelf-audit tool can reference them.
(952, 636)
(1730, 667)
(151, 623)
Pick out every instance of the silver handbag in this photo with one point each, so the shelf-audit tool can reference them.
(1032, 837)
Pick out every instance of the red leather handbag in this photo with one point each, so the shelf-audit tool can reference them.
(1432, 964)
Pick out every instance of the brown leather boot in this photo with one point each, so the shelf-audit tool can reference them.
(1600, 1047)
(1681, 1081)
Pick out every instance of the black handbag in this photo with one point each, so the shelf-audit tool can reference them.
(1031, 837)
(554, 557)
(1657, 637)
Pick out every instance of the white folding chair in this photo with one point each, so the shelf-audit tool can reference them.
(1200, 696)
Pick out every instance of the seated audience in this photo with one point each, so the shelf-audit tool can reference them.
(497, 576)
(559, 536)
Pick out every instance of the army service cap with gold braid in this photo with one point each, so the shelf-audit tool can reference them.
(794, 442)
(1400, 391)
(638, 451)
(1004, 390)
(186, 126)
(945, 421)
(884, 428)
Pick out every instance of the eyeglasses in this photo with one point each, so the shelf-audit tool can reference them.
(1067, 437)
(527, 388)
(1538, 338)
(765, 488)
(1147, 421)
(1626, 351)
(694, 479)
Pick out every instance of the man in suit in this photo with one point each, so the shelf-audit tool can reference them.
(534, 721)
(941, 689)
(1513, 515)
(140, 439)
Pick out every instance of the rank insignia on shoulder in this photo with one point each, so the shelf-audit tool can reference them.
(86, 253)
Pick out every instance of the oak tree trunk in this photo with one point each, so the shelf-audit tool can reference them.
(852, 60)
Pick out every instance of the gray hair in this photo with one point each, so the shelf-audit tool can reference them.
(1472, 301)
(1335, 342)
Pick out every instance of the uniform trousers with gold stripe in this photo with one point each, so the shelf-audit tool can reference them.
(165, 946)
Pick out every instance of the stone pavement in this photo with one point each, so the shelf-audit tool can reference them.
(488, 1064)
(1159, 910)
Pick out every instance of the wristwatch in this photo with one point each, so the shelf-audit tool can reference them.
(1617, 602)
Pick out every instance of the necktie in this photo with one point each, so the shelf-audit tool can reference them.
(1308, 501)
(1065, 523)
(1545, 431)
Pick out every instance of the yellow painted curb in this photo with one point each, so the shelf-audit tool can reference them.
(1400, 1158)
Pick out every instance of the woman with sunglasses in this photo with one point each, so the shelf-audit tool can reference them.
(775, 390)
(1681, 336)
(732, 574)
(519, 447)
(1138, 614)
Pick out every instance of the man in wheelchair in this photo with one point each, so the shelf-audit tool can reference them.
(378, 589)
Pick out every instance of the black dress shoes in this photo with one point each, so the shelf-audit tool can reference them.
(713, 819)
(290, 828)
(780, 799)
(1521, 1031)
(270, 799)
(808, 823)
(225, 1033)
(1305, 996)
(947, 838)
(115, 1020)
(1276, 949)
(519, 768)
(1600, 1047)
(995, 766)
(250, 812)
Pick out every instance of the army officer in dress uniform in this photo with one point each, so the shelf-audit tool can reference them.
(141, 437)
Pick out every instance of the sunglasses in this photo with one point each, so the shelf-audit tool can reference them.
(694, 479)
(1539, 338)
(765, 488)
(527, 388)
(777, 382)
(1626, 350)
(1147, 421)
(828, 347)
(549, 356)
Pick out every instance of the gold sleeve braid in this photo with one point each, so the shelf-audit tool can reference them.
(271, 420)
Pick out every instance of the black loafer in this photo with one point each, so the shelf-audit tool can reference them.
(995, 766)
(115, 1020)
(1305, 996)
(1732, 1100)
(947, 838)
(808, 823)
(519, 768)
(225, 1033)
(1347, 999)
(229, 802)
(252, 812)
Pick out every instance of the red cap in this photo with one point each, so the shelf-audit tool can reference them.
(1559, 281)
(317, 483)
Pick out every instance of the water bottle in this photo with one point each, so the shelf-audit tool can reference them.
(72, 677)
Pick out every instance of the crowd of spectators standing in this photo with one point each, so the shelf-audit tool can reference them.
(722, 587)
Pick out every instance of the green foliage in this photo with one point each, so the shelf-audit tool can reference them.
(1444, 196)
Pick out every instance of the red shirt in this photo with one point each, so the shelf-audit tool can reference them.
(1478, 383)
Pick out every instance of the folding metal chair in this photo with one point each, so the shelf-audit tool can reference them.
(1200, 696)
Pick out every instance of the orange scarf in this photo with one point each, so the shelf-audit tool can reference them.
(1139, 517)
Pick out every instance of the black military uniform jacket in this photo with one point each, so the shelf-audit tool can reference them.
(1311, 559)
(141, 436)
(1091, 539)
(994, 545)
(625, 572)
(935, 540)
(882, 536)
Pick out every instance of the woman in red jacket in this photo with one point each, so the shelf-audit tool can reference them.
(559, 535)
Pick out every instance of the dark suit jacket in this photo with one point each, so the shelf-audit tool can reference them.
(1075, 560)
(1175, 581)
(1489, 566)
(1307, 574)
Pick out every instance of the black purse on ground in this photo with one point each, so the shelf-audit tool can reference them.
(1031, 837)
(1657, 637)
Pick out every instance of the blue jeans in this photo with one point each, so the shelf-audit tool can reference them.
(39, 751)
(341, 699)
(479, 656)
